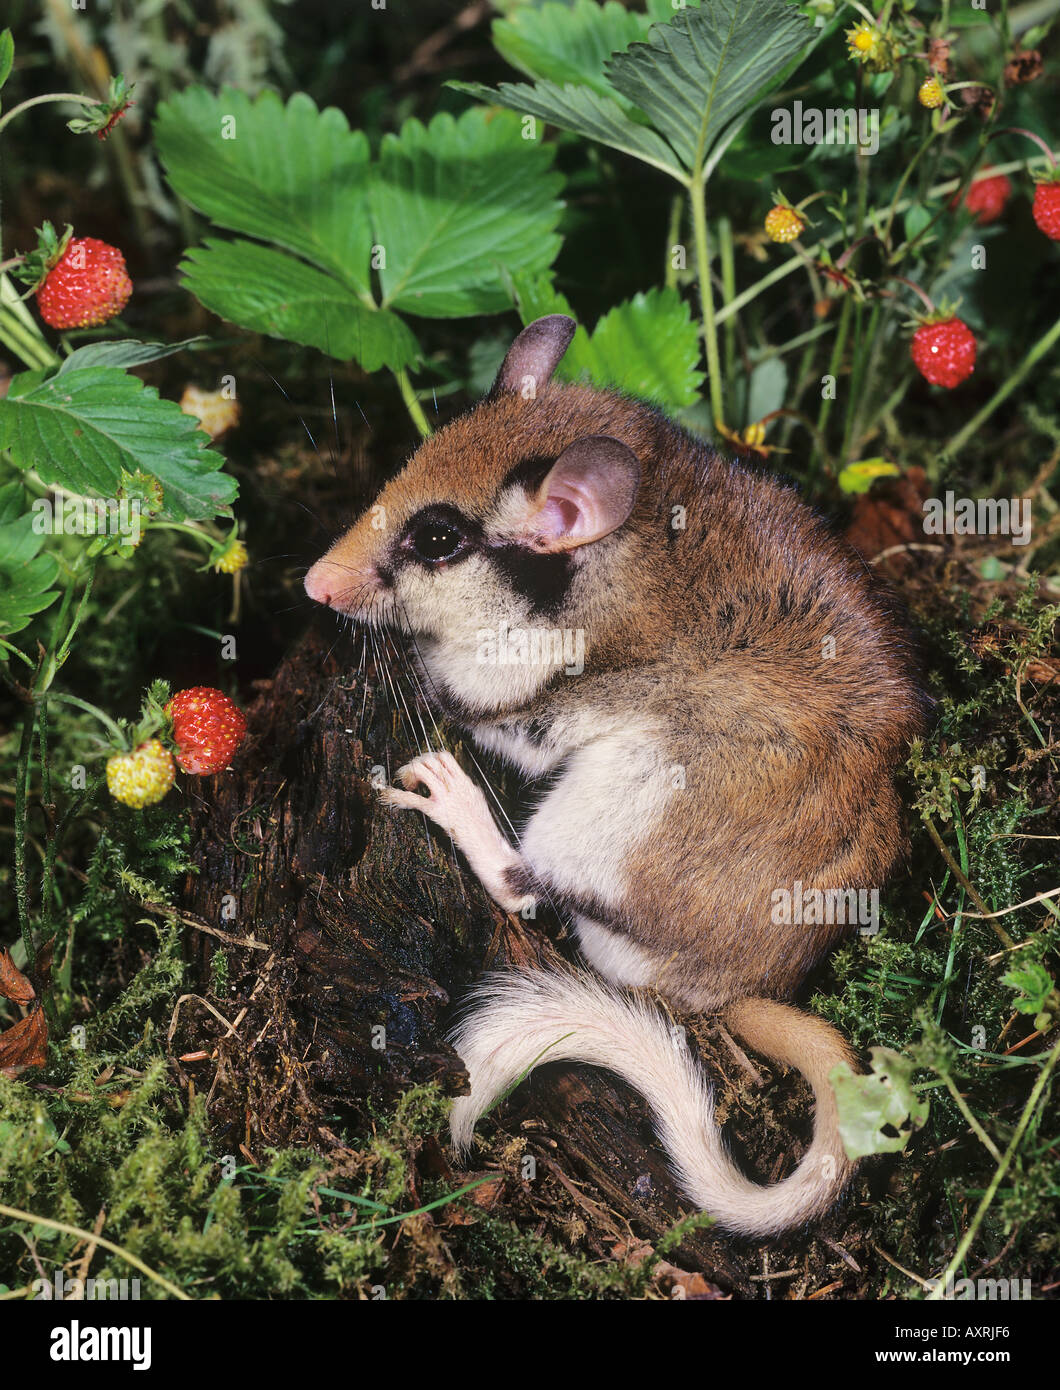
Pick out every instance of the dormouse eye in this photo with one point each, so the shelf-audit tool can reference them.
(436, 540)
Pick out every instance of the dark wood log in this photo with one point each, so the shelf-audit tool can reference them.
(364, 930)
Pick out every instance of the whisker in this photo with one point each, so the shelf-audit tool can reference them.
(311, 513)
(382, 664)
(405, 668)
(414, 673)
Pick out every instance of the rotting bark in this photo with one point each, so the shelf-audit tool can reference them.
(366, 920)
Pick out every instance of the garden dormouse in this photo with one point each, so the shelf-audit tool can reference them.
(712, 695)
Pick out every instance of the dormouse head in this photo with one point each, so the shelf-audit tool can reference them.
(505, 521)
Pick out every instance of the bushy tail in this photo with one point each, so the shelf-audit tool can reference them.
(523, 1018)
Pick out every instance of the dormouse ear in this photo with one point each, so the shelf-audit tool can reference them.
(534, 356)
(588, 493)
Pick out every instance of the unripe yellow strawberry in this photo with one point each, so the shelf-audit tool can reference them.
(931, 93)
(783, 223)
(142, 777)
(233, 559)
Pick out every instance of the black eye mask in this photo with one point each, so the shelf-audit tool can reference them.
(443, 535)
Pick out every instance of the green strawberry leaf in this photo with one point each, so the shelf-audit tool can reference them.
(123, 352)
(647, 346)
(7, 55)
(448, 211)
(916, 219)
(25, 382)
(669, 100)
(568, 43)
(695, 77)
(293, 174)
(585, 112)
(870, 1106)
(766, 388)
(455, 205)
(80, 429)
(26, 577)
(1034, 983)
(270, 292)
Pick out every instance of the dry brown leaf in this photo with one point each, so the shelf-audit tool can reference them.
(1023, 67)
(24, 1044)
(891, 514)
(13, 984)
(488, 1195)
(683, 1285)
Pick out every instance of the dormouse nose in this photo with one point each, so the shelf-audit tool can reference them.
(321, 581)
(340, 585)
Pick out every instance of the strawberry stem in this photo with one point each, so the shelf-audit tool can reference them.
(412, 404)
(79, 97)
(1021, 130)
(841, 263)
(916, 290)
(112, 728)
(19, 331)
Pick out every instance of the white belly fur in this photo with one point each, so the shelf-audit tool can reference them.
(613, 956)
(570, 844)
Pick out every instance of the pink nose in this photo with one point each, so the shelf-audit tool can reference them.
(321, 581)
(340, 585)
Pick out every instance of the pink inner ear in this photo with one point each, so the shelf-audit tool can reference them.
(560, 516)
(589, 493)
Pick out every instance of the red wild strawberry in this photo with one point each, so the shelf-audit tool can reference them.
(987, 197)
(86, 286)
(1046, 209)
(207, 728)
(944, 352)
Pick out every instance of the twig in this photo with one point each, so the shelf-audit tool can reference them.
(207, 1005)
(1028, 902)
(86, 1259)
(962, 1106)
(901, 1268)
(843, 1254)
(741, 1056)
(188, 919)
(962, 878)
(17, 1215)
(901, 549)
